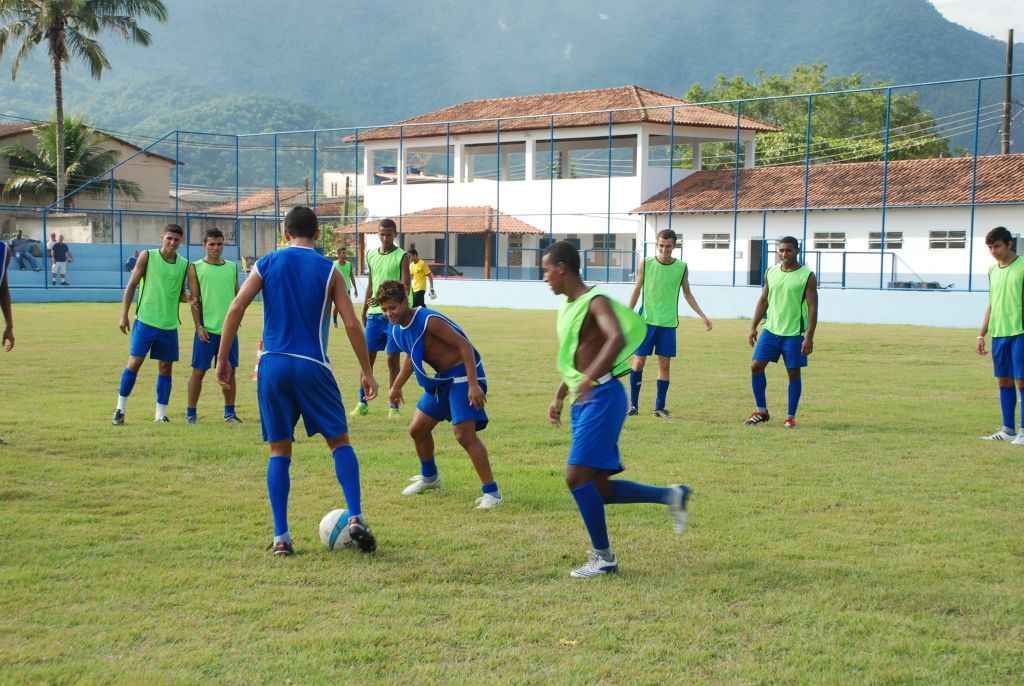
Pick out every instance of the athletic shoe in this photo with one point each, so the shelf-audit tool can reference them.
(118, 419)
(677, 506)
(663, 414)
(757, 418)
(419, 485)
(191, 419)
(362, 535)
(362, 409)
(999, 436)
(632, 411)
(1019, 438)
(281, 548)
(393, 412)
(790, 423)
(487, 501)
(596, 566)
(162, 420)
(233, 419)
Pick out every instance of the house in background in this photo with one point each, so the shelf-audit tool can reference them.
(558, 162)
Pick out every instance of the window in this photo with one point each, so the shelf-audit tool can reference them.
(483, 161)
(604, 240)
(585, 158)
(947, 240)
(384, 166)
(660, 153)
(515, 250)
(334, 189)
(832, 240)
(715, 241)
(893, 240)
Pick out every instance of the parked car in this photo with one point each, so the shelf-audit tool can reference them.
(444, 271)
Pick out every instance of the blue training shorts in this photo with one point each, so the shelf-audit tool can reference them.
(660, 340)
(597, 421)
(289, 387)
(203, 353)
(450, 403)
(1008, 356)
(770, 347)
(159, 344)
(378, 335)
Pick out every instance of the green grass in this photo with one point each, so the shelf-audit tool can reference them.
(879, 543)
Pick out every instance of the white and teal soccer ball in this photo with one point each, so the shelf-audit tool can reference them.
(334, 530)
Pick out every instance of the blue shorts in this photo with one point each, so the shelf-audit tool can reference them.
(1008, 356)
(596, 423)
(159, 344)
(289, 387)
(450, 403)
(378, 335)
(660, 340)
(203, 353)
(770, 347)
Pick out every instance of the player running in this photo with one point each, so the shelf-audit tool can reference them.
(345, 267)
(790, 296)
(386, 263)
(660, 278)
(596, 337)
(159, 275)
(213, 284)
(456, 393)
(295, 378)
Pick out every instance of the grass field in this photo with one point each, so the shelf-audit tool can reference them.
(881, 542)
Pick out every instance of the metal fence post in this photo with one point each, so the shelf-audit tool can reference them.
(974, 191)
(608, 230)
(736, 191)
(807, 166)
(671, 163)
(885, 192)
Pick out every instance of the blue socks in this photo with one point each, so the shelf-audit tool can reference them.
(362, 395)
(491, 488)
(795, 387)
(229, 411)
(659, 399)
(1008, 402)
(632, 492)
(591, 507)
(190, 412)
(428, 469)
(163, 389)
(759, 382)
(127, 382)
(278, 485)
(346, 468)
(636, 379)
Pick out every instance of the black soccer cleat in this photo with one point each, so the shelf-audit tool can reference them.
(281, 548)
(361, 534)
(118, 419)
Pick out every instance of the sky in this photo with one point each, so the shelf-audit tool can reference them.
(990, 17)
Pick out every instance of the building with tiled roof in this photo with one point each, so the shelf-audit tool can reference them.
(932, 232)
(265, 201)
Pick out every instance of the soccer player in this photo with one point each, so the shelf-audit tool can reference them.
(596, 337)
(295, 378)
(159, 275)
(456, 393)
(213, 284)
(386, 263)
(420, 272)
(660, 278)
(1004, 319)
(345, 267)
(790, 296)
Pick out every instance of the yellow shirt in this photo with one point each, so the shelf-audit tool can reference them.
(419, 271)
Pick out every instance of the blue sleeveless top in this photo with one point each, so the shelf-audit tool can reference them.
(409, 340)
(296, 303)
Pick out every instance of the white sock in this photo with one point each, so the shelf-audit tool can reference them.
(122, 403)
(161, 412)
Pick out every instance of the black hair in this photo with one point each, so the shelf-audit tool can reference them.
(1000, 233)
(174, 228)
(668, 233)
(789, 240)
(212, 233)
(391, 290)
(301, 222)
(564, 252)
(412, 251)
(389, 224)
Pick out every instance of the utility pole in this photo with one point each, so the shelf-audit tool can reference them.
(1006, 93)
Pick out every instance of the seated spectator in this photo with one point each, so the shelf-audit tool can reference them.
(21, 254)
(129, 264)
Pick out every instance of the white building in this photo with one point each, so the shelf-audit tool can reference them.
(559, 162)
(927, 217)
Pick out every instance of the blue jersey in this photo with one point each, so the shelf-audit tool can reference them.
(296, 303)
(409, 340)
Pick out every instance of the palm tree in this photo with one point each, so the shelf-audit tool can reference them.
(35, 175)
(70, 28)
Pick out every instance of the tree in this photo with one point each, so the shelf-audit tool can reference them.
(845, 127)
(34, 173)
(70, 29)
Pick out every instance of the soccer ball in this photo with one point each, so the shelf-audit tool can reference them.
(334, 530)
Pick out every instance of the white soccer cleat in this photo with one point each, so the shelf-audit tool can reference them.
(999, 436)
(596, 566)
(1019, 438)
(487, 501)
(677, 506)
(419, 485)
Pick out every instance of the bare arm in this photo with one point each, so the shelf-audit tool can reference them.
(811, 296)
(759, 310)
(406, 276)
(369, 291)
(395, 394)
(446, 334)
(129, 290)
(608, 323)
(984, 331)
(232, 320)
(354, 332)
(430, 276)
(635, 297)
(555, 408)
(196, 303)
(5, 306)
(692, 302)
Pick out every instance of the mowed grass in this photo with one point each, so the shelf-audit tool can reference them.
(881, 542)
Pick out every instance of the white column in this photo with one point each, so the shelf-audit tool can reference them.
(457, 162)
(696, 157)
(748, 154)
(530, 156)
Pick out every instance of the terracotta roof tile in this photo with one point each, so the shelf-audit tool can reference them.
(483, 219)
(14, 129)
(537, 110)
(938, 181)
(259, 199)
